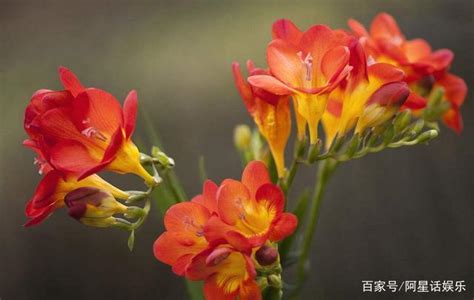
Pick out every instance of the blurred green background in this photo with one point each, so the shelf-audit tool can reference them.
(401, 214)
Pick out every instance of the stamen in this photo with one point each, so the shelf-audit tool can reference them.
(92, 132)
(198, 229)
(308, 63)
(40, 163)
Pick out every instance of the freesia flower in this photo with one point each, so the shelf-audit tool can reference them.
(367, 98)
(184, 223)
(386, 43)
(270, 112)
(307, 66)
(86, 124)
(52, 189)
(250, 211)
(227, 274)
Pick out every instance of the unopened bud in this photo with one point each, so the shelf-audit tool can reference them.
(242, 137)
(92, 206)
(427, 136)
(266, 255)
(275, 281)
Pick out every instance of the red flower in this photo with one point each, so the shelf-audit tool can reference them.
(250, 212)
(308, 66)
(227, 273)
(52, 189)
(215, 237)
(87, 124)
(368, 97)
(270, 112)
(386, 43)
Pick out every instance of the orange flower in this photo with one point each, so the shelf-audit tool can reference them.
(228, 274)
(184, 236)
(367, 98)
(270, 112)
(386, 43)
(307, 66)
(218, 236)
(86, 124)
(250, 211)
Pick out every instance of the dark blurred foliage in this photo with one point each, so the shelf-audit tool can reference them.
(401, 214)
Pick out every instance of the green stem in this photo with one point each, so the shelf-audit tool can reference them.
(325, 170)
(174, 186)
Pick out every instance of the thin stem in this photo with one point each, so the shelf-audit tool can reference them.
(325, 170)
(174, 186)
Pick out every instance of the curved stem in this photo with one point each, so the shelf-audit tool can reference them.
(325, 170)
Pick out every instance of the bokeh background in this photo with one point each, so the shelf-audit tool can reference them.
(402, 214)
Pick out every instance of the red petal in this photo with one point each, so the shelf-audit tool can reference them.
(453, 119)
(187, 216)
(243, 87)
(177, 249)
(231, 198)
(415, 102)
(286, 30)
(249, 290)
(385, 73)
(334, 61)
(70, 81)
(394, 93)
(255, 175)
(284, 226)
(98, 109)
(455, 88)
(384, 26)
(271, 197)
(357, 28)
(270, 84)
(58, 124)
(130, 113)
(358, 62)
(62, 152)
(212, 291)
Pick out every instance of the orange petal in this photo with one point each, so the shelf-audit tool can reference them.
(385, 73)
(209, 196)
(334, 61)
(384, 26)
(187, 216)
(285, 64)
(416, 49)
(213, 291)
(244, 88)
(255, 175)
(270, 84)
(284, 226)
(249, 290)
(231, 199)
(357, 28)
(453, 119)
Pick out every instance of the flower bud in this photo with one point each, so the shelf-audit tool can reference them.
(93, 206)
(427, 136)
(266, 255)
(242, 137)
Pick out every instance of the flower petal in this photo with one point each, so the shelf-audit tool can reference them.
(186, 216)
(286, 30)
(244, 88)
(231, 199)
(455, 88)
(284, 226)
(255, 175)
(270, 84)
(130, 113)
(384, 26)
(62, 152)
(357, 28)
(285, 64)
(272, 198)
(70, 81)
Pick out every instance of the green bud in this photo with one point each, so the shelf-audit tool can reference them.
(388, 135)
(402, 120)
(242, 137)
(427, 136)
(353, 145)
(275, 281)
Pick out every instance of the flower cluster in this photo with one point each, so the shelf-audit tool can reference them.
(351, 81)
(227, 235)
(77, 132)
